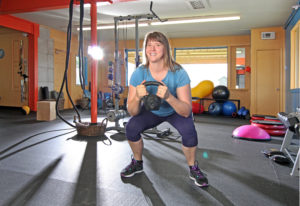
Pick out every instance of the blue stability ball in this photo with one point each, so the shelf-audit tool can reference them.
(215, 108)
(228, 108)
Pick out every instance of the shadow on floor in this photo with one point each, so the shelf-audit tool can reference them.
(86, 186)
(29, 146)
(143, 182)
(24, 195)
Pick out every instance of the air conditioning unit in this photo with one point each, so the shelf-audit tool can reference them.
(198, 4)
(267, 35)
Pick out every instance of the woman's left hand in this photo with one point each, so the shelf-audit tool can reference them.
(163, 91)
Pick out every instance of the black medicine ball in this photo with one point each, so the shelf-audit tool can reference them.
(220, 93)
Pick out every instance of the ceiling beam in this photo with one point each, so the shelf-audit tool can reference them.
(21, 6)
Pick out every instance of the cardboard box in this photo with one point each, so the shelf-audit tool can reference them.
(46, 111)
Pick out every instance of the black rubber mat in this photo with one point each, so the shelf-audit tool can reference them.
(48, 164)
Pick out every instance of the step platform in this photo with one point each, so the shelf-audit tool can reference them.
(273, 128)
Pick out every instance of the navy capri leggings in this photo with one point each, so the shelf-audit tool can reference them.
(147, 120)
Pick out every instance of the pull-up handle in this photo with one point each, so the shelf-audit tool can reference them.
(161, 20)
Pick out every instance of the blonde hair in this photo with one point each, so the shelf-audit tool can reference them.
(168, 59)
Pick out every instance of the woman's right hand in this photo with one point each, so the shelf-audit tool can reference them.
(141, 91)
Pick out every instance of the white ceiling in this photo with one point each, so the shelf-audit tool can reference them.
(254, 14)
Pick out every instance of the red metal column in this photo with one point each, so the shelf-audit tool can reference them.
(94, 70)
(33, 68)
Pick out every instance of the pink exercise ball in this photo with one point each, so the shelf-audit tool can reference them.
(250, 132)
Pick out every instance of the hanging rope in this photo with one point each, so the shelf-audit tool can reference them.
(65, 78)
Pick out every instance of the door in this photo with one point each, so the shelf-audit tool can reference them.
(267, 82)
(14, 70)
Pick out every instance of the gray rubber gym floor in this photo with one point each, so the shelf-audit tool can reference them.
(47, 164)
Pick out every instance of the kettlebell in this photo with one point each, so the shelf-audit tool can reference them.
(151, 101)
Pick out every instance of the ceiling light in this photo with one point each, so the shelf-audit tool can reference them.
(170, 21)
(101, 3)
(95, 52)
(197, 20)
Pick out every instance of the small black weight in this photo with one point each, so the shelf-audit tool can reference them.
(151, 101)
(271, 152)
(281, 159)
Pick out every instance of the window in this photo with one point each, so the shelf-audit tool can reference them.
(130, 63)
(240, 64)
(204, 64)
(295, 46)
(200, 64)
(84, 70)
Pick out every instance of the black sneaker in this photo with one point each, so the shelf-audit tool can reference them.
(133, 168)
(198, 177)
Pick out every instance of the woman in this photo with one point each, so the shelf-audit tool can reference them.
(176, 107)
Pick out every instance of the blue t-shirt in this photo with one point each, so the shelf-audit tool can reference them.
(172, 80)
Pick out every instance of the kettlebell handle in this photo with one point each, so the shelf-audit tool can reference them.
(151, 101)
(154, 83)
